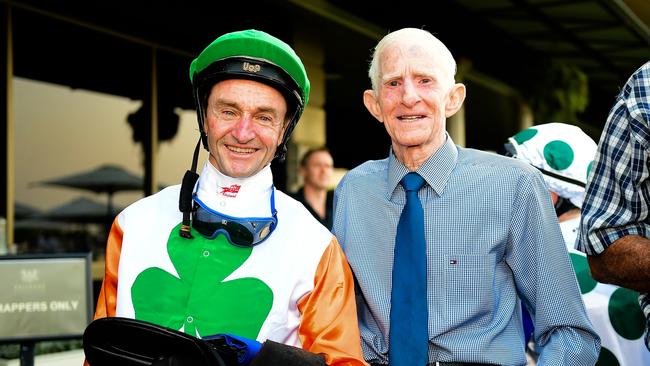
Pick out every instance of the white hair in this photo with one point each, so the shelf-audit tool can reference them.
(409, 36)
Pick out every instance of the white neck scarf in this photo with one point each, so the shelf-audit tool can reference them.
(238, 197)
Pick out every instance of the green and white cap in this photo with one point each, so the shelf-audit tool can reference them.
(250, 55)
(254, 55)
(562, 152)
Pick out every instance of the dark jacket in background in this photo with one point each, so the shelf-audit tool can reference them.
(329, 204)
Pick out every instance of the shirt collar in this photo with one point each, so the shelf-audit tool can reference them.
(239, 197)
(435, 171)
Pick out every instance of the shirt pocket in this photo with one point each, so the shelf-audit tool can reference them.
(469, 288)
(640, 131)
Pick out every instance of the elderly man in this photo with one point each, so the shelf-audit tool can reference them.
(240, 258)
(443, 240)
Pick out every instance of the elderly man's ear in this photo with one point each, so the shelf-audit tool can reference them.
(455, 99)
(372, 104)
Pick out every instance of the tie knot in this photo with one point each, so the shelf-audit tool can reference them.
(412, 182)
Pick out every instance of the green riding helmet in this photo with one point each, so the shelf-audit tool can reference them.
(253, 55)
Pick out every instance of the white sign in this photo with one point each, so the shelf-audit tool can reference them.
(44, 297)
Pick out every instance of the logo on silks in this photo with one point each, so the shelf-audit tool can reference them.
(230, 191)
(247, 66)
(200, 298)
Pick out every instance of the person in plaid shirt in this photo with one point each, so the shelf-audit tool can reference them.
(615, 225)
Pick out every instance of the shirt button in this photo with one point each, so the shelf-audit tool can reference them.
(206, 253)
(190, 319)
(222, 204)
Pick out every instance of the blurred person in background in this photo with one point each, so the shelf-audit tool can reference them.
(615, 226)
(564, 154)
(316, 170)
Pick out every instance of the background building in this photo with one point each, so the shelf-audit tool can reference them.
(106, 82)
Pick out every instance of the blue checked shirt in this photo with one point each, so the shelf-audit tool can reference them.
(492, 237)
(617, 202)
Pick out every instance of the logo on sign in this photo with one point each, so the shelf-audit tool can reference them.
(29, 275)
(230, 191)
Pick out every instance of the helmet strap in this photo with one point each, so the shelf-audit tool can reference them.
(200, 117)
(281, 152)
(185, 201)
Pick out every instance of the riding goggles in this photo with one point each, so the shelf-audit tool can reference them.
(240, 231)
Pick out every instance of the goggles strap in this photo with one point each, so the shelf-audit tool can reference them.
(273, 212)
(185, 201)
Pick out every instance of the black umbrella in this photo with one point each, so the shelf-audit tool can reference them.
(30, 218)
(81, 210)
(23, 211)
(104, 179)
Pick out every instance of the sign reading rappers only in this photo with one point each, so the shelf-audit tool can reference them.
(44, 297)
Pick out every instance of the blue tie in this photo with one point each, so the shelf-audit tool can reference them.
(409, 336)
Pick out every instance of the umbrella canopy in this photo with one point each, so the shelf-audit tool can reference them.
(23, 211)
(41, 224)
(106, 178)
(81, 210)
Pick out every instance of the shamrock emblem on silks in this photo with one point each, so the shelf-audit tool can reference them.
(199, 299)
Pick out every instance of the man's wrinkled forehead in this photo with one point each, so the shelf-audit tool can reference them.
(417, 58)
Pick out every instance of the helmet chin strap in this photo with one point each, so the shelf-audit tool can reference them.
(281, 151)
(185, 201)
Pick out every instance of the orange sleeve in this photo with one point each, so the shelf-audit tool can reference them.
(106, 303)
(328, 324)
